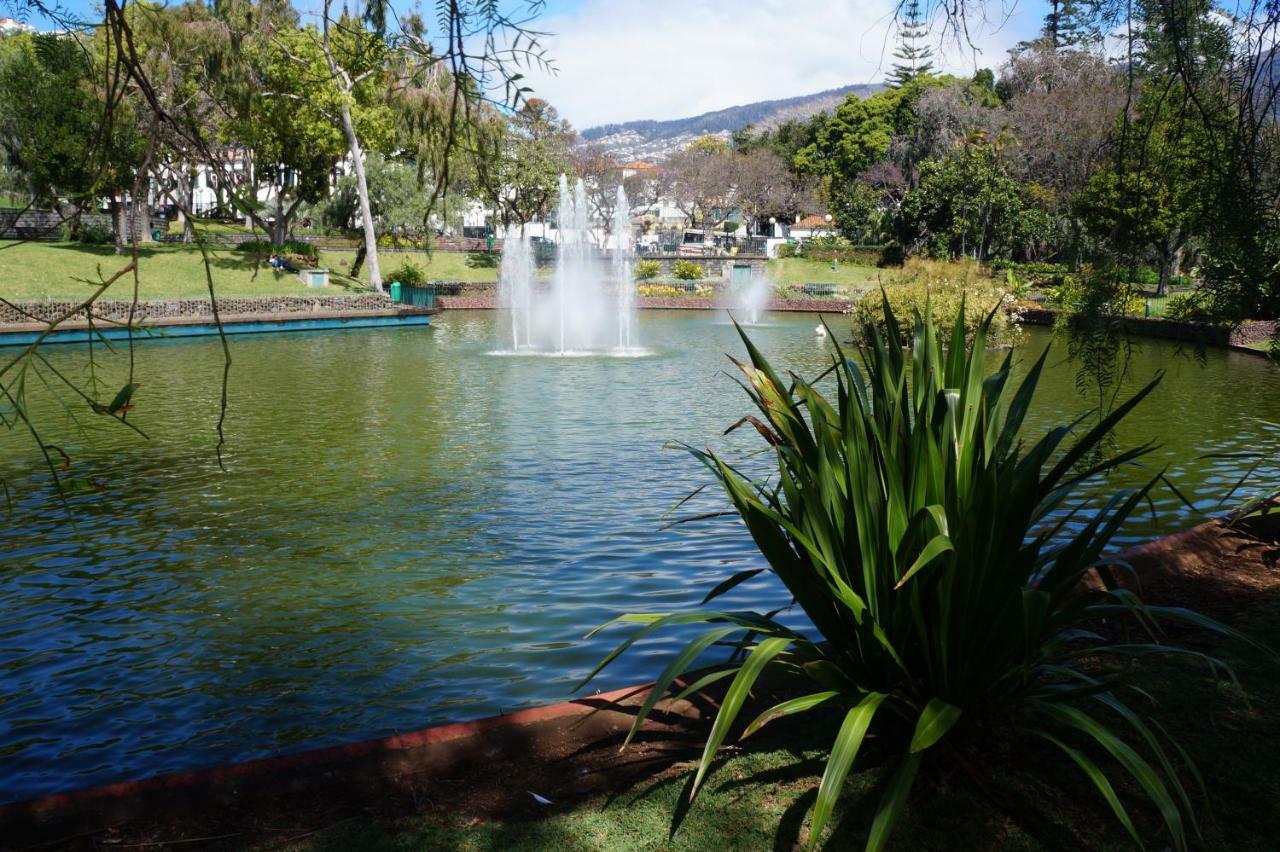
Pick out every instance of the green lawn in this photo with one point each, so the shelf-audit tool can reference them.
(36, 272)
(797, 271)
(440, 265)
(757, 799)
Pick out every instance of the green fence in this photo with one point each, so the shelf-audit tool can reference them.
(418, 296)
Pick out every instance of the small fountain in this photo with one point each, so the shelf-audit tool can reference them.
(753, 299)
(573, 316)
(622, 267)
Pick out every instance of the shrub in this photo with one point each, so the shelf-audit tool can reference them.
(1190, 307)
(925, 540)
(788, 250)
(831, 248)
(408, 273)
(952, 289)
(95, 234)
(687, 270)
(294, 248)
(482, 260)
(646, 270)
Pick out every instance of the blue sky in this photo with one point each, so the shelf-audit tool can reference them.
(620, 60)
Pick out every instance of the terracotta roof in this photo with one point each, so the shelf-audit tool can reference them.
(815, 221)
(638, 165)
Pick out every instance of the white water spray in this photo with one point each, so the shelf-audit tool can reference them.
(590, 306)
(753, 299)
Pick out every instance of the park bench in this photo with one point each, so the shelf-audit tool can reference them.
(819, 290)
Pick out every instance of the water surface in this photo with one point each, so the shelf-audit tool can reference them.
(412, 530)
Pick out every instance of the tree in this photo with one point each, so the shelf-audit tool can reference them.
(526, 154)
(699, 181)
(765, 186)
(967, 205)
(397, 202)
(913, 48)
(355, 57)
(55, 131)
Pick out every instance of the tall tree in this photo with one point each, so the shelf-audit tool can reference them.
(56, 130)
(913, 51)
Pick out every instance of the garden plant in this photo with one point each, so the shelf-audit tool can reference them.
(957, 581)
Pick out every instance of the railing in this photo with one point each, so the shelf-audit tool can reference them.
(417, 296)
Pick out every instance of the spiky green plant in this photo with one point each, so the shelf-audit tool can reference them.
(931, 549)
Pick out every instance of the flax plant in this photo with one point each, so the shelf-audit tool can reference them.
(956, 595)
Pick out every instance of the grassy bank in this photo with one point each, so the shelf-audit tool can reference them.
(797, 271)
(757, 799)
(440, 265)
(37, 272)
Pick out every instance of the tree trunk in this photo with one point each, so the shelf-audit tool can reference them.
(119, 223)
(362, 190)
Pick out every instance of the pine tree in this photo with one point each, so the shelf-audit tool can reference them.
(1070, 25)
(913, 50)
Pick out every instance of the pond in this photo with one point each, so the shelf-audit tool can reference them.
(412, 529)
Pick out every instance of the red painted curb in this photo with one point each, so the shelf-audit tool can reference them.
(284, 763)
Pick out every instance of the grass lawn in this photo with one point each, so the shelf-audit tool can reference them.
(758, 799)
(437, 266)
(797, 271)
(36, 272)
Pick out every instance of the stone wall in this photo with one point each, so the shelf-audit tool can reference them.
(119, 311)
(713, 267)
(1189, 332)
(46, 224)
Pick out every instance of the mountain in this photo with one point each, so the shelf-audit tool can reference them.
(654, 140)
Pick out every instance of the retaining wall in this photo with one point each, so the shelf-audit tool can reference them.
(26, 312)
(1191, 332)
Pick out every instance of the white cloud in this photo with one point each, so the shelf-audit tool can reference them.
(660, 59)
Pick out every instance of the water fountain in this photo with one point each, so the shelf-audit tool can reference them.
(753, 300)
(589, 307)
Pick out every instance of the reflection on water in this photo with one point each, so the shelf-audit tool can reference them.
(412, 530)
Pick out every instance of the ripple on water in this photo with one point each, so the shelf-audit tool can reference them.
(409, 531)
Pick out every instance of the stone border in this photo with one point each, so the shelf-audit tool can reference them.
(23, 313)
(1190, 332)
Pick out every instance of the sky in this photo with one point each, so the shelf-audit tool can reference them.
(619, 60)
(622, 60)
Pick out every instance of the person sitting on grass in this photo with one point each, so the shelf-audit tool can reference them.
(280, 263)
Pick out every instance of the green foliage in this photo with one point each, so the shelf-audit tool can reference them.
(952, 292)
(297, 248)
(789, 250)
(482, 260)
(829, 248)
(687, 270)
(968, 205)
(1195, 306)
(408, 273)
(923, 536)
(52, 123)
(94, 234)
(646, 270)
(399, 204)
(913, 47)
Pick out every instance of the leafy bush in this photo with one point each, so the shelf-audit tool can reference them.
(687, 270)
(482, 260)
(408, 273)
(730, 227)
(646, 270)
(1037, 273)
(95, 234)
(1095, 294)
(925, 540)
(831, 248)
(1190, 307)
(785, 250)
(952, 290)
(295, 248)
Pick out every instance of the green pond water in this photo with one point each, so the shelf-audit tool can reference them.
(412, 529)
